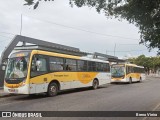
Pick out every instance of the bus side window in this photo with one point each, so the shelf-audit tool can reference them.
(56, 64)
(91, 66)
(128, 69)
(68, 68)
(39, 65)
(106, 67)
(82, 65)
(71, 65)
(33, 64)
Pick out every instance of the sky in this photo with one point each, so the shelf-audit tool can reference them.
(82, 28)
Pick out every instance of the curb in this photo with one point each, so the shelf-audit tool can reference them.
(2, 94)
(153, 76)
(6, 95)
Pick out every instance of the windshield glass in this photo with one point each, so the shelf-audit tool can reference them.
(118, 71)
(17, 67)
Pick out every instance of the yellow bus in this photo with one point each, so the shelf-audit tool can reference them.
(127, 73)
(39, 71)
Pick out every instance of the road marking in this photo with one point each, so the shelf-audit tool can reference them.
(10, 100)
(7, 97)
(11, 103)
(157, 106)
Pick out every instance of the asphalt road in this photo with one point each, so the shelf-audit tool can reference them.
(143, 96)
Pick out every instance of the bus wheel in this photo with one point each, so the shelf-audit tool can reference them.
(130, 80)
(52, 89)
(140, 79)
(95, 84)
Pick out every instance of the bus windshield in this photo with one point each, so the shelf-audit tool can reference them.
(17, 67)
(118, 71)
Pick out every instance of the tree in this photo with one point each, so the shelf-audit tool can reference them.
(145, 14)
(150, 63)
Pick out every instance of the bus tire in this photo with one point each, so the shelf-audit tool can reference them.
(140, 79)
(52, 89)
(130, 80)
(95, 84)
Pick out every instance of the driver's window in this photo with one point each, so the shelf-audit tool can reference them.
(39, 65)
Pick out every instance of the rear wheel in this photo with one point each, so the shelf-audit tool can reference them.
(130, 80)
(95, 84)
(52, 89)
(140, 79)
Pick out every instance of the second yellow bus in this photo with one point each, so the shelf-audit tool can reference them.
(127, 73)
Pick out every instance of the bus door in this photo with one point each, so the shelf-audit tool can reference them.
(71, 72)
(39, 76)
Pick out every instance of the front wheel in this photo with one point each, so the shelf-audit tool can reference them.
(52, 89)
(95, 84)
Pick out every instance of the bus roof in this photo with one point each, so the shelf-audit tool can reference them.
(69, 56)
(95, 60)
(60, 55)
(127, 64)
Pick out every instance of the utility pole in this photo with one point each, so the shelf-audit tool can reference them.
(114, 49)
(21, 24)
(24, 43)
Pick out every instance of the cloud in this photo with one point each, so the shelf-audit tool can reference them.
(46, 23)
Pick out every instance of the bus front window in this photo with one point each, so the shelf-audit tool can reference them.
(17, 68)
(118, 71)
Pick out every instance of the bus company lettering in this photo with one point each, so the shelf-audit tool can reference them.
(60, 75)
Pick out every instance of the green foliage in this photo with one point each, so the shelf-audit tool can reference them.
(145, 14)
(29, 2)
(147, 62)
(35, 3)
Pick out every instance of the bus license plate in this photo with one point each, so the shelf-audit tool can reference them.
(13, 90)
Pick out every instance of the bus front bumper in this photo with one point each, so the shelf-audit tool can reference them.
(20, 90)
(118, 80)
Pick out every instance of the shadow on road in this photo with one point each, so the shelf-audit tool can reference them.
(44, 96)
(65, 92)
(121, 83)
